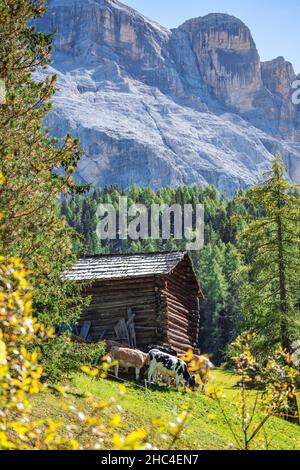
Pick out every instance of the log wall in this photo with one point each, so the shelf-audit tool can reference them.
(181, 293)
(166, 308)
(110, 301)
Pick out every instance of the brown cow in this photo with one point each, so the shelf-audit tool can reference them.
(127, 358)
(109, 344)
(201, 365)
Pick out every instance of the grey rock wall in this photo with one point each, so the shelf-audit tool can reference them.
(159, 107)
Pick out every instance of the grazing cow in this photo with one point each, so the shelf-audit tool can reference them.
(127, 358)
(201, 365)
(109, 344)
(163, 348)
(169, 366)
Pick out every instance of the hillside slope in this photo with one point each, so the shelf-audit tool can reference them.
(207, 429)
(162, 107)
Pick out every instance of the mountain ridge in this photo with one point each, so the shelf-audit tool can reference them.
(160, 107)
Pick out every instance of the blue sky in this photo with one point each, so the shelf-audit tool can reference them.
(274, 23)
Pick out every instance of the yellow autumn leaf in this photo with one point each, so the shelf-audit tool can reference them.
(90, 370)
(74, 444)
(117, 441)
(60, 389)
(115, 421)
(212, 416)
(2, 353)
(188, 357)
(135, 436)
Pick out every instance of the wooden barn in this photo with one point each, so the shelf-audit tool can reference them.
(141, 299)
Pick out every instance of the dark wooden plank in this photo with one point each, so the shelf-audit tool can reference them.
(85, 329)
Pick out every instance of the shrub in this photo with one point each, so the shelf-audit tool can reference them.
(253, 408)
(61, 356)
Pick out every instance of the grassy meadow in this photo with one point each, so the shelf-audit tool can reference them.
(206, 427)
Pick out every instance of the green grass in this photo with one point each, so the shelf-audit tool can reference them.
(207, 429)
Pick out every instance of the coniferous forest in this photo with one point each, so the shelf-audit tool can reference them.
(215, 264)
(221, 264)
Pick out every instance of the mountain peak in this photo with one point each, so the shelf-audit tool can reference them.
(112, 5)
(227, 57)
(90, 30)
(220, 23)
(159, 107)
(215, 20)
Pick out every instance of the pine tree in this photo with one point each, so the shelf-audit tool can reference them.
(213, 308)
(136, 247)
(150, 246)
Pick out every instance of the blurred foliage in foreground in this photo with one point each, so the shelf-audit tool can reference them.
(20, 379)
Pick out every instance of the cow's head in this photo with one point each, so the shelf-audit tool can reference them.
(192, 382)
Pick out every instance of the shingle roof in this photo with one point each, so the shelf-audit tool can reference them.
(104, 267)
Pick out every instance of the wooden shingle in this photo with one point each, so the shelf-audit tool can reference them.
(93, 268)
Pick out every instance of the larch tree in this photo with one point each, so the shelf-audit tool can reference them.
(270, 244)
(36, 167)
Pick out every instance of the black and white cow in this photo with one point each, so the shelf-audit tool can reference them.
(162, 348)
(169, 366)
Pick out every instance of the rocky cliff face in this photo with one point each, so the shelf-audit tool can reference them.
(277, 76)
(159, 107)
(91, 28)
(227, 58)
